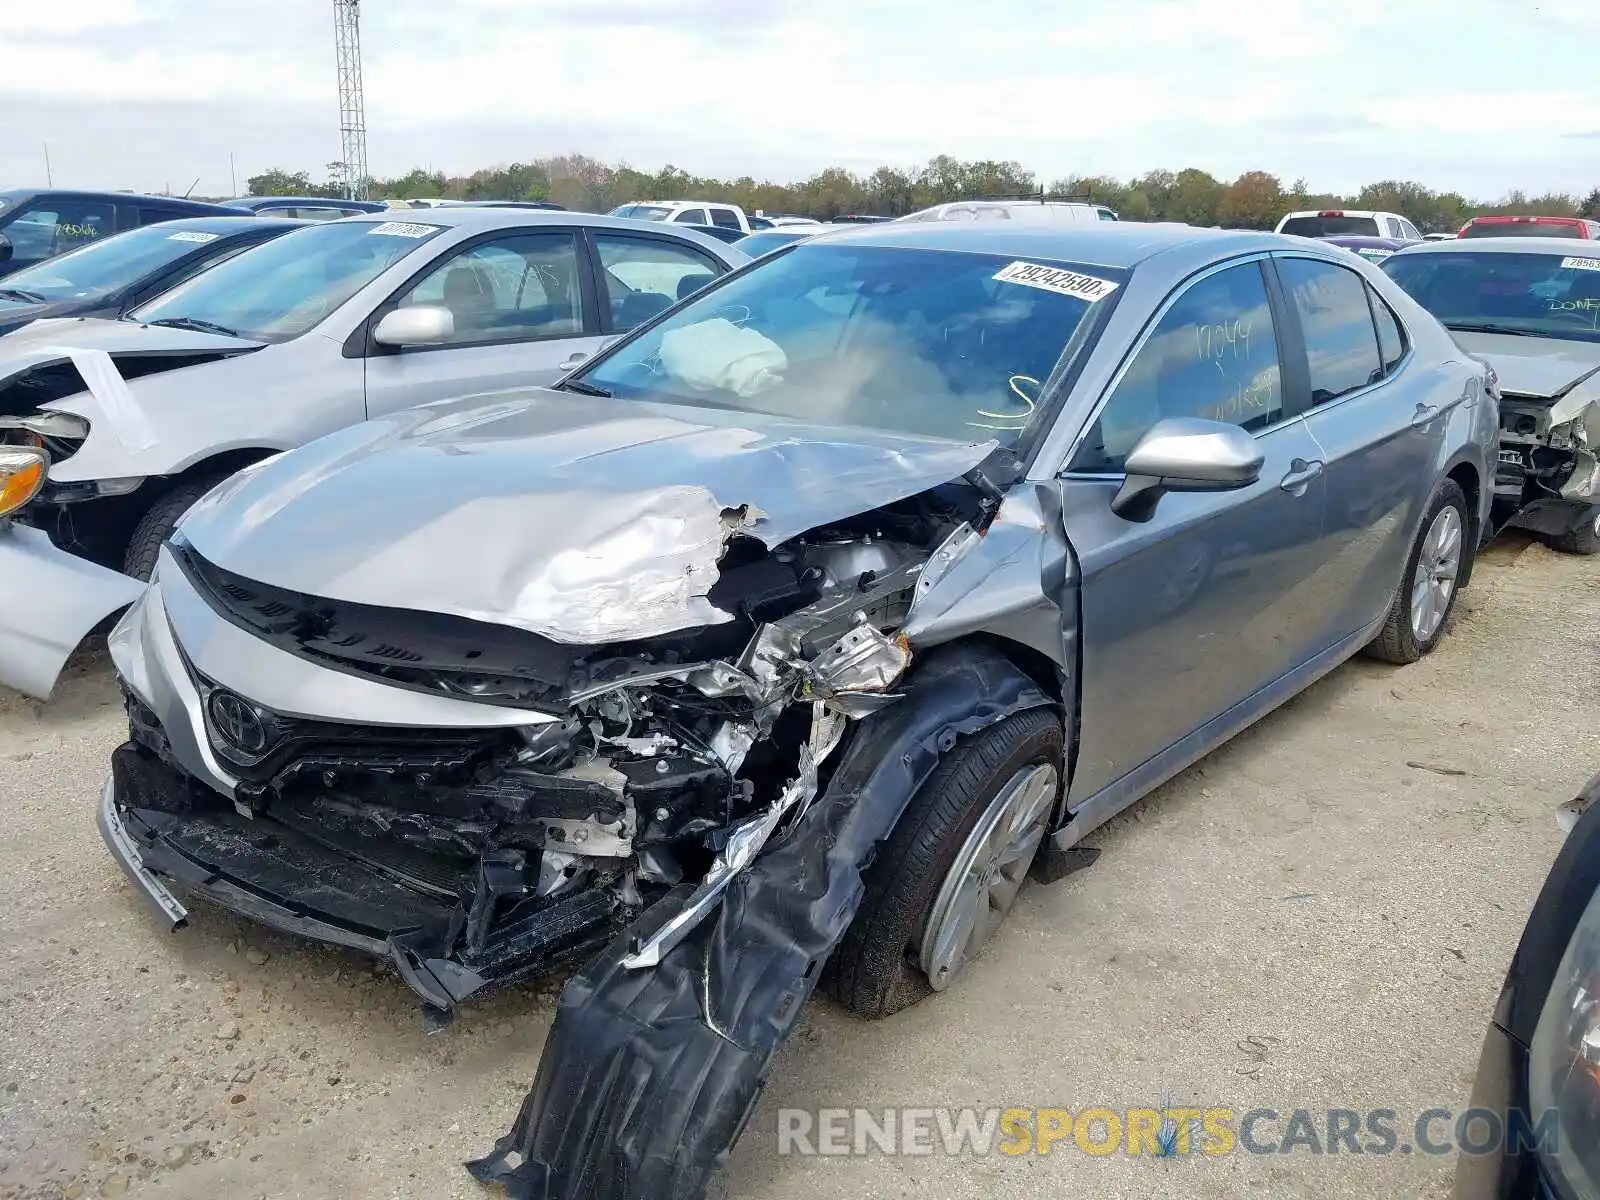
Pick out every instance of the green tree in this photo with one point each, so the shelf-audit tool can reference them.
(278, 182)
(1253, 201)
(1195, 197)
(1591, 205)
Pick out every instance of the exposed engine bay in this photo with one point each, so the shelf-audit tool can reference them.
(645, 766)
(1548, 451)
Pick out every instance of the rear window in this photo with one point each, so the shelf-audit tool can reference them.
(1321, 227)
(642, 212)
(1561, 229)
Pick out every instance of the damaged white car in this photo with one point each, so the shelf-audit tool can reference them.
(782, 642)
(122, 424)
(1531, 308)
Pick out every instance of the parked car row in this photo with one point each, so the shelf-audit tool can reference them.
(502, 589)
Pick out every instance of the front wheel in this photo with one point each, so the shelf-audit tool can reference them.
(1582, 538)
(1440, 558)
(158, 523)
(949, 872)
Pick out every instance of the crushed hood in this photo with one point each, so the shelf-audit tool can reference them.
(584, 519)
(1545, 367)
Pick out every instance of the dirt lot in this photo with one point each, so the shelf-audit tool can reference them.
(1301, 921)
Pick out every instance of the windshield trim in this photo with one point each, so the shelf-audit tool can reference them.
(1054, 390)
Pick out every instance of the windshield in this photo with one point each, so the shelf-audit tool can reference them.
(922, 342)
(1317, 227)
(1548, 295)
(278, 291)
(642, 212)
(103, 267)
(1560, 229)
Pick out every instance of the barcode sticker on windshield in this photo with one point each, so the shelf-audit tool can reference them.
(1581, 264)
(188, 236)
(403, 229)
(1057, 279)
(1373, 252)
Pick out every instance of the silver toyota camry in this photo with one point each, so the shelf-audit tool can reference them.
(784, 640)
(122, 424)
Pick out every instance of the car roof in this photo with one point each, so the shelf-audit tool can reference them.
(309, 201)
(1342, 212)
(243, 223)
(488, 219)
(90, 194)
(1116, 244)
(1566, 247)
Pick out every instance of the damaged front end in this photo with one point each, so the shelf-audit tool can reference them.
(1549, 461)
(564, 790)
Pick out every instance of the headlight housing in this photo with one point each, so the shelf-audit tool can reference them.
(22, 473)
(1564, 1060)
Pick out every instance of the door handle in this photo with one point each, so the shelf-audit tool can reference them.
(573, 360)
(1423, 414)
(1301, 475)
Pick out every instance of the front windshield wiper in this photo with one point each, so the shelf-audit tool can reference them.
(1491, 327)
(583, 388)
(19, 294)
(196, 324)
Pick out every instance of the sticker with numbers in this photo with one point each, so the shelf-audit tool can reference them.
(405, 229)
(1581, 264)
(192, 235)
(1057, 279)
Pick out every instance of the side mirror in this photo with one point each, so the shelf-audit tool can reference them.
(6, 249)
(1185, 454)
(419, 325)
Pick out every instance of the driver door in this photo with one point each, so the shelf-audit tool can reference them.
(523, 311)
(1188, 616)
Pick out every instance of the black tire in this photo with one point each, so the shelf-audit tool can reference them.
(1582, 538)
(139, 560)
(875, 971)
(1396, 642)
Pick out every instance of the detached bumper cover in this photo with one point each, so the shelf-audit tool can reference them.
(49, 600)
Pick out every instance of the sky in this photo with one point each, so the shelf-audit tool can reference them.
(1477, 96)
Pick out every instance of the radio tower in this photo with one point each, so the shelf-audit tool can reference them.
(352, 109)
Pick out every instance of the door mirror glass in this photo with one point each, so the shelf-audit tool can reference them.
(5, 248)
(1186, 454)
(416, 325)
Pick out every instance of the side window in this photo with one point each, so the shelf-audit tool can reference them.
(509, 290)
(1391, 334)
(1409, 230)
(1213, 354)
(692, 216)
(154, 216)
(643, 276)
(59, 226)
(725, 217)
(1341, 342)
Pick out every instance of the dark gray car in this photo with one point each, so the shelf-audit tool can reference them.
(789, 634)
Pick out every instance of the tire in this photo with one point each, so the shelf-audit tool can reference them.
(876, 969)
(1399, 640)
(139, 560)
(1582, 538)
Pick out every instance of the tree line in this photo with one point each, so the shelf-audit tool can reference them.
(1255, 200)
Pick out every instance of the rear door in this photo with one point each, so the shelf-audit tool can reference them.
(1377, 429)
(1187, 616)
(524, 310)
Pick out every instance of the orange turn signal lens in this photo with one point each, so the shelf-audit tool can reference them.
(21, 476)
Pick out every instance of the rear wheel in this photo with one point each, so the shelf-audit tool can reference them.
(157, 524)
(1582, 538)
(1440, 559)
(951, 870)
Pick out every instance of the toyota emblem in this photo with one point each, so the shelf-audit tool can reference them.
(238, 722)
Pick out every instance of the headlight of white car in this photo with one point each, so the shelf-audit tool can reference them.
(22, 472)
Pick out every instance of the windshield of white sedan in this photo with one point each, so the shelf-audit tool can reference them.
(931, 343)
(1543, 295)
(104, 266)
(278, 291)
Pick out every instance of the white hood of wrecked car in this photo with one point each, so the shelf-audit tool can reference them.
(583, 519)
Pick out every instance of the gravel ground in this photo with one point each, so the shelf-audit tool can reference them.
(1303, 920)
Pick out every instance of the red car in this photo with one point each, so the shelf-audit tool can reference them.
(1562, 227)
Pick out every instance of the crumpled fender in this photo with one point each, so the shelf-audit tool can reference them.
(648, 1077)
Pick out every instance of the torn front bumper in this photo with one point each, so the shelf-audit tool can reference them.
(49, 601)
(280, 877)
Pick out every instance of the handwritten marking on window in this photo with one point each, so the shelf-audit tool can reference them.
(1012, 422)
(1221, 341)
